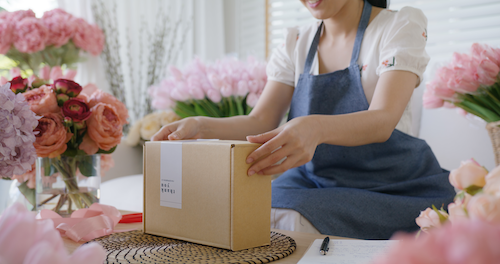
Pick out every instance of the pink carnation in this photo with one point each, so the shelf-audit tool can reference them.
(60, 25)
(31, 35)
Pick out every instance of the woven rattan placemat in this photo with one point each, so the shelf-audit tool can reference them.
(137, 247)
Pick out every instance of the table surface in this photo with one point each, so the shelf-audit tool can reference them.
(303, 241)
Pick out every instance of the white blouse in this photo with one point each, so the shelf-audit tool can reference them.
(394, 40)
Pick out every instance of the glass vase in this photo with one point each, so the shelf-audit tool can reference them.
(67, 183)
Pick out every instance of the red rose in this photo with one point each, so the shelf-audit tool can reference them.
(76, 109)
(18, 85)
(69, 87)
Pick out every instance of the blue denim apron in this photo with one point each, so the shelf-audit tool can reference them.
(367, 191)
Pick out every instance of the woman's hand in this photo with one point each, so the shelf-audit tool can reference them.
(296, 140)
(187, 128)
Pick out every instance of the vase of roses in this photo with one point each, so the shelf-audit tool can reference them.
(471, 82)
(77, 126)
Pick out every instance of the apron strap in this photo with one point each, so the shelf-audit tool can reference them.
(363, 23)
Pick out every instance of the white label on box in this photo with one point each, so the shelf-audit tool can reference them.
(171, 174)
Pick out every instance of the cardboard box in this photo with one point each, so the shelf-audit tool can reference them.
(199, 191)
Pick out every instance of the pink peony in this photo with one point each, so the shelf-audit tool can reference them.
(102, 97)
(428, 219)
(52, 136)
(31, 35)
(103, 128)
(27, 240)
(60, 26)
(463, 242)
(16, 134)
(42, 100)
(470, 173)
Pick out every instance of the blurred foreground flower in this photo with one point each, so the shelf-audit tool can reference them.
(146, 127)
(24, 239)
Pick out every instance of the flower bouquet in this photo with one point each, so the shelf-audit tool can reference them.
(56, 39)
(226, 88)
(75, 124)
(469, 232)
(470, 82)
(146, 127)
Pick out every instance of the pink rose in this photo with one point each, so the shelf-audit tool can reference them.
(468, 174)
(485, 207)
(428, 219)
(104, 126)
(458, 209)
(52, 136)
(99, 96)
(42, 100)
(31, 35)
(76, 109)
(60, 26)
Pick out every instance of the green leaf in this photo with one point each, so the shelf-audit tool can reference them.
(180, 113)
(30, 194)
(7, 179)
(199, 111)
(86, 166)
(102, 151)
(188, 109)
(490, 116)
(442, 218)
(473, 189)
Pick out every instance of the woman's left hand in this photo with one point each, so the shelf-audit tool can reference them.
(296, 140)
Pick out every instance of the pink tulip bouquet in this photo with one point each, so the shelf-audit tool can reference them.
(56, 39)
(226, 88)
(470, 82)
(75, 123)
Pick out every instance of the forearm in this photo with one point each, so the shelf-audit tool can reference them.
(236, 127)
(354, 129)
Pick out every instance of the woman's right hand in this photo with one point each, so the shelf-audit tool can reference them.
(187, 128)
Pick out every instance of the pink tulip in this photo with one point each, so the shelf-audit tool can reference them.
(180, 94)
(56, 73)
(226, 90)
(45, 72)
(468, 174)
(252, 99)
(242, 88)
(214, 95)
(431, 101)
(26, 240)
(70, 75)
(483, 51)
(14, 72)
(176, 73)
(488, 72)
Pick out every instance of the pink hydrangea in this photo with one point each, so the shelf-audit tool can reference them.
(88, 37)
(17, 122)
(19, 15)
(60, 25)
(7, 33)
(31, 35)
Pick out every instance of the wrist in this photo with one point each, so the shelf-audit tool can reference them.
(317, 123)
(201, 126)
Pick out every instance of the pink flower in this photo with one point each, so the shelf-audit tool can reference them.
(487, 72)
(214, 95)
(31, 35)
(7, 33)
(20, 15)
(76, 109)
(103, 127)
(252, 99)
(18, 84)
(68, 87)
(70, 75)
(45, 72)
(29, 177)
(60, 26)
(56, 73)
(102, 97)
(107, 163)
(470, 173)
(88, 37)
(430, 100)
(484, 51)
(15, 72)
(52, 136)
(485, 207)
(458, 209)
(42, 100)
(464, 242)
(428, 219)
(27, 240)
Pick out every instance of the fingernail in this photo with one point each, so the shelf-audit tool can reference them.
(250, 173)
(249, 160)
(260, 173)
(175, 136)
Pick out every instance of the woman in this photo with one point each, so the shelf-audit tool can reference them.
(349, 169)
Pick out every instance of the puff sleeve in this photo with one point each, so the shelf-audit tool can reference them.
(402, 45)
(281, 67)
